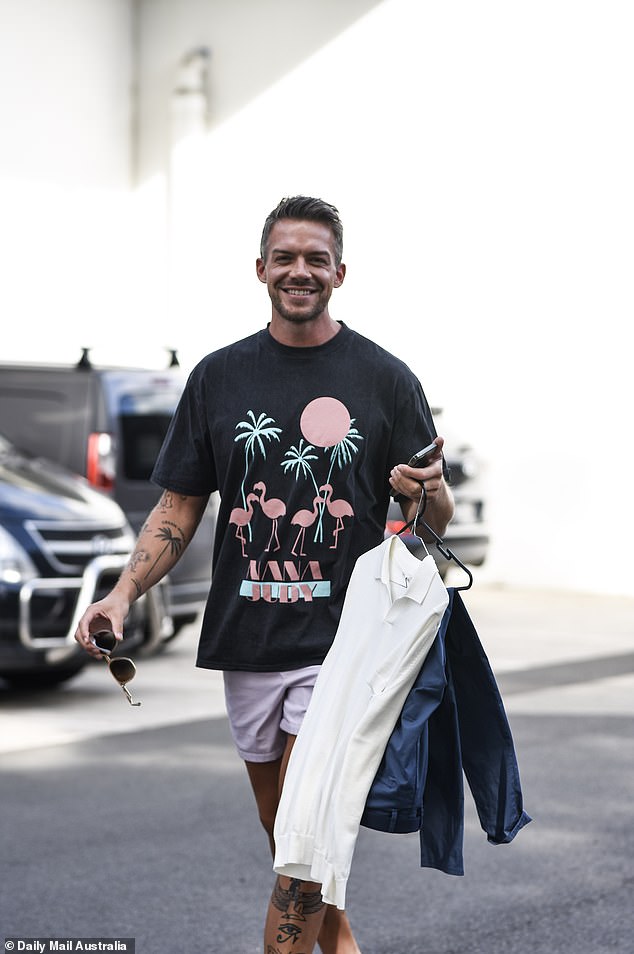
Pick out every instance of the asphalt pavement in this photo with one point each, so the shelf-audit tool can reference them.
(139, 822)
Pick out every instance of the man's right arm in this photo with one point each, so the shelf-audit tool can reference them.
(162, 540)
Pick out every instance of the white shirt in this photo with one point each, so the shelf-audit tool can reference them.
(393, 609)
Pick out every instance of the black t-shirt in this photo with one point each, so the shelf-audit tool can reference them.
(300, 443)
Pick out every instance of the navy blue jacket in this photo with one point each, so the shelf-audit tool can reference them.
(453, 719)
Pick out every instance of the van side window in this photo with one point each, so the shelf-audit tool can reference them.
(142, 438)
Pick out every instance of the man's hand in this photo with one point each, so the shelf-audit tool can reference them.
(108, 613)
(407, 481)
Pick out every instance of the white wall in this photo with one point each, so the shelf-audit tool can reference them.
(65, 120)
(481, 157)
(64, 95)
(87, 261)
(253, 43)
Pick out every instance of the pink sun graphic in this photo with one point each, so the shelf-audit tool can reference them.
(325, 422)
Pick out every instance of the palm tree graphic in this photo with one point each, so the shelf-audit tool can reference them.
(254, 432)
(340, 454)
(298, 461)
(172, 542)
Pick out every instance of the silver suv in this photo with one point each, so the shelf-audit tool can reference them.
(62, 546)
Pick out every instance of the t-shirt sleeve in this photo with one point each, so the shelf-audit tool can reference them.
(414, 426)
(185, 463)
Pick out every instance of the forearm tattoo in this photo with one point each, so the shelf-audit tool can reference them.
(141, 564)
(295, 906)
(166, 501)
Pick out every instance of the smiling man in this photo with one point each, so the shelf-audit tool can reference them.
(300, 264)
(303, 428)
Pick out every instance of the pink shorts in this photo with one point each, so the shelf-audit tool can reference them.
(265, 707)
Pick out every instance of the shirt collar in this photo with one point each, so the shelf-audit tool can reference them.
(398, 559)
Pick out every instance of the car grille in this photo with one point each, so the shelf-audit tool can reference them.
(69, 547)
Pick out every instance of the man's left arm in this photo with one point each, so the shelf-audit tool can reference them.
(406, 481)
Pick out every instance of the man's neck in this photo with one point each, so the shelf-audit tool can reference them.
(307, 334)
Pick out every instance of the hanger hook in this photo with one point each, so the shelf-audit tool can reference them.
(440, 543)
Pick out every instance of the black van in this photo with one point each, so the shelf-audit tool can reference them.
(107, 424)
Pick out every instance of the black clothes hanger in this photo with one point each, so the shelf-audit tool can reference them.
(440, 543)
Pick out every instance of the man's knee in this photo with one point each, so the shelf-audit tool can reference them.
(301, 896)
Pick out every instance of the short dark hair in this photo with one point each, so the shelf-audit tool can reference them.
(308, 209)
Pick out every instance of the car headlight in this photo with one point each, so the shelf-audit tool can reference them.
(15, 564)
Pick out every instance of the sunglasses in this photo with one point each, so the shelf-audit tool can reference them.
(122, 669)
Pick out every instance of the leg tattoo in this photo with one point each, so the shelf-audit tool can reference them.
(295, 905)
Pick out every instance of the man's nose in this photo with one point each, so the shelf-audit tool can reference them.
(299, 268)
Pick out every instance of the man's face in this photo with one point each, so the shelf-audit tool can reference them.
(299, 269)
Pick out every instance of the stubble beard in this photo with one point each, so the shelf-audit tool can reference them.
(298, 317)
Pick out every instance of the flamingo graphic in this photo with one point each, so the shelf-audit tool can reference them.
(274, 509)
(338, 509)
(241, 518)
(304, 519)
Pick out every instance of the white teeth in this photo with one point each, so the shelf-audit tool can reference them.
(298, 291)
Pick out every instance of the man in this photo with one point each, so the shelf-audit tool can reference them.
(303, 428)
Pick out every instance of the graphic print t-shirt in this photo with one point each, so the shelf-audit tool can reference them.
(300, 443)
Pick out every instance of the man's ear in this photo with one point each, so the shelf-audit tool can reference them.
(341, 274)
(260, 269)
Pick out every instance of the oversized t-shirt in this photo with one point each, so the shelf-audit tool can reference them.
(300, 443)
